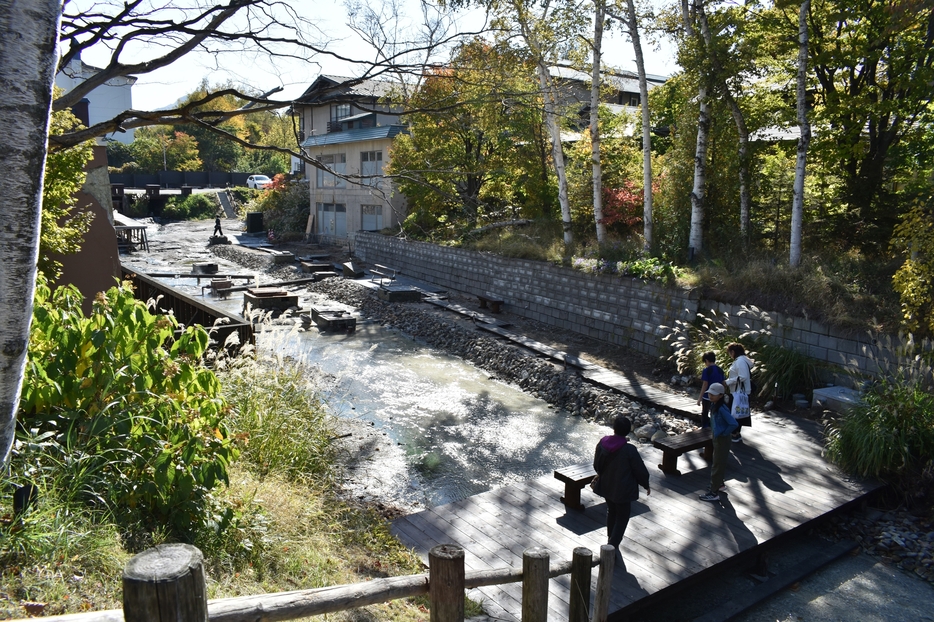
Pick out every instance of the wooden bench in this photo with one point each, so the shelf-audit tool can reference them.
(495, 305)
(383, 272)
(575, 477)
(674, 446)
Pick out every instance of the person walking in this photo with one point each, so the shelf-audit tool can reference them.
(217, 226)
(620, 472)
(711, 374)
(723, 425)
(739, 380)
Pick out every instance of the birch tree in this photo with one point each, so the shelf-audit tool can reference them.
(696, 238)
(28, 54)
(797, 208)
(632, 25)
(599, 18)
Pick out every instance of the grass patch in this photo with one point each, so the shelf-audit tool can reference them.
(279, 526)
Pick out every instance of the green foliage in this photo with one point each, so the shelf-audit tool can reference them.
(192, 207)
(159, 147)
(278, 411)
(128, 406)
(914, 280)
(474, 152)
(63, 226)
(285, 206)
(890, 434)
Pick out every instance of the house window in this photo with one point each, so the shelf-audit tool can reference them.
(332, 219)
(339, 111)
(372, 217)
(337, 162)
(634, 100)
(371, 165)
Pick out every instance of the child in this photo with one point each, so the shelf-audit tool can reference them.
(711, 374)
(723, 426)
(217, 227)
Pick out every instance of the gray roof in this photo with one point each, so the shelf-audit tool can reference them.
(352, 136)
(341, 87)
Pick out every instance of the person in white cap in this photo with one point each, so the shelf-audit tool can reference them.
(723, 425)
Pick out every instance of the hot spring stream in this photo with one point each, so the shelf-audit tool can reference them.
(451, 431)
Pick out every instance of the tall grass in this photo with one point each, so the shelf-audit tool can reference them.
(890, 434)
(779, 371)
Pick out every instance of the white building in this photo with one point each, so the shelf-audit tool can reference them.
(106, 101)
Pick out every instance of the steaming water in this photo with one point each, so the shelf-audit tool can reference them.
(449, 430)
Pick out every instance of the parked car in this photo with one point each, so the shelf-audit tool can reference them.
(258, 181)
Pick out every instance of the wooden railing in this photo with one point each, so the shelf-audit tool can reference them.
(170, 578)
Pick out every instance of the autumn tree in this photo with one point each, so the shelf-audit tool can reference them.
(474, 140)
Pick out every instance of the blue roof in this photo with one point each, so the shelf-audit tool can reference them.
(352, 136)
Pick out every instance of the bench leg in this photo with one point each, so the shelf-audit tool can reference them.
(669, 463)
(708, 452)
(494, 307)
(572, 497)
(482, 303)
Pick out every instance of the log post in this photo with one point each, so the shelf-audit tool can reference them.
(580, 585)
(601, 603)
(535, 567)
(165, 584)
(446, 576)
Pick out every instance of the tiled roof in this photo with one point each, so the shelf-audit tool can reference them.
(352, 136)
(340, 87)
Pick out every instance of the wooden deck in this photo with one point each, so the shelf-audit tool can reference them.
(777, 482)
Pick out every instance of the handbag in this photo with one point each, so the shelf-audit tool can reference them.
(740, 409)
(595, 485)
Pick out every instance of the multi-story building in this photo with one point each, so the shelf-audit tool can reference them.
(346, 125)
(104, 102)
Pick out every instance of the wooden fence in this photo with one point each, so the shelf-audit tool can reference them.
(167, 584)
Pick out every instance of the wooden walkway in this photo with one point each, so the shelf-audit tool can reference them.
(777, 483)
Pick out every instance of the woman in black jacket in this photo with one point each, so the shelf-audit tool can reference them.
(620, 472)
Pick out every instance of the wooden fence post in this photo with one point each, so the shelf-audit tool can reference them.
(535, 569)
(581, 564)
(601, 601)
(446, 576)
(165, 584)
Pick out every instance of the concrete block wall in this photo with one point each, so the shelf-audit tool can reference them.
(623, 311)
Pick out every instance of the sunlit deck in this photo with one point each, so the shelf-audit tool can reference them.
(777, 482)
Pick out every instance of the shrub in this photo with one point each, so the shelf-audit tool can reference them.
(133, 417)
(890, 435)
(192, 207)
(285, 206)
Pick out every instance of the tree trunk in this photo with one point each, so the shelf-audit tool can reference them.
(599, 18)
(28, 57)
(797, 208)
(738, 118)
(557, 152)
(633, 24)
(696, 238)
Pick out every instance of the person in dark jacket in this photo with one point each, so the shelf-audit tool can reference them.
(217, 227)
(620, 472)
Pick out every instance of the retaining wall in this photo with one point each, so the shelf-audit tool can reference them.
(624, 311)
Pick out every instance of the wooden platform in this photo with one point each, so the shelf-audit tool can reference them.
(777, 483)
